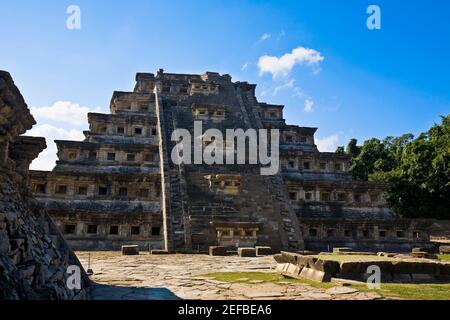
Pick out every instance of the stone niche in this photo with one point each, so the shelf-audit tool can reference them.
(238, 234)
(204, 88)
(227, 184)
(209, 112)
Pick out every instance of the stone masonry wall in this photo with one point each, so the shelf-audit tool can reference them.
(33, 255)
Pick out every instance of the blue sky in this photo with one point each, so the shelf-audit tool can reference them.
(370, 83)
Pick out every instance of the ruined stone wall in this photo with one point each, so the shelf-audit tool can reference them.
(34, 257)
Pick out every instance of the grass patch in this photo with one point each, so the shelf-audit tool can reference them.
(265, 277)
(444, 257)
(411, 291)
(387, 290)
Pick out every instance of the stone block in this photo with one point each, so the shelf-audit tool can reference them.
(280, 258)
(444, 269)
(401, 278)
(289, 257)
(423, 278)
(305, 261)
(315, 275)
(360, 267)
(410, 267)
(263, 251)
(444, 249)
(281, 267)
(130, 250)
(327, 266)
(217, 251)
(342, 249)
(247, 252)
(292, 270)
(159, 252)
(424, 255)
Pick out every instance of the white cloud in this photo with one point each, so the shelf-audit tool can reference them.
(328, 144)
(265, 36)
(47, 158)
(244, 66)
(309, 103)
(63, 111)
(282, 66)
(287, 84)
(298, 92)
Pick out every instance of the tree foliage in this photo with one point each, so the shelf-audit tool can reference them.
(416, 170)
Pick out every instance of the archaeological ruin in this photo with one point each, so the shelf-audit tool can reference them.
(34, 257)
(119, 186)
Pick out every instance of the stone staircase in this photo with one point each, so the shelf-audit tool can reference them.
(292, 237)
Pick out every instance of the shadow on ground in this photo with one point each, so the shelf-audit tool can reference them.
(108, 292)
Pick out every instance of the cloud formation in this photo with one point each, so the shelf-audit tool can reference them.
(282, 66)
(309, 103)
(47, 158)
(63, 111)
(328, 144)
(265, 36)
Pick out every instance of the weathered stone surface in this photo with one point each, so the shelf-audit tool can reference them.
(444, 269)
(159, 252)
(281, 267)
(327, 266)
(34, 257)
(342, 250)
(292, 270)
(408, 267)
(217, 251)
(315, 275)
(424, 255)
(176, 276)
(341, 290)
(444, 249)
(129, 250)
(360, 267)
(263, 251)
(246, 252)
(280, 258)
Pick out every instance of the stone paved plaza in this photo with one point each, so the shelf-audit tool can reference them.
(163, 277)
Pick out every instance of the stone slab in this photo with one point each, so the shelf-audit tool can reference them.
(327, 266)
(247, 252)
(342, 249)
(315, 275)
(340, 290)
(263, 251)
(217, 251)
(130, 250)
(158, 252)
(444, 249)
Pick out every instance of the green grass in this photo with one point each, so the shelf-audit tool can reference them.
(389, 290)
(444, 257)
(266, 277)
(411, 291)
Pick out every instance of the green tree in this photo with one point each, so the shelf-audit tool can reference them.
(416, 170)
